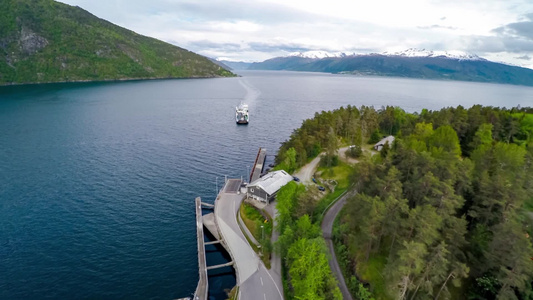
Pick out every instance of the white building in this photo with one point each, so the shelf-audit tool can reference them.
(388, 140)
(265, 188)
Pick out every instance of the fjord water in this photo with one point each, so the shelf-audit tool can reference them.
(98, 180)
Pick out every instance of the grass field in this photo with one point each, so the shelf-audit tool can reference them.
(253, 220)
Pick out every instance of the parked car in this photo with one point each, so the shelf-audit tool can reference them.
(321, 188)
(296, 178)
(314, 180)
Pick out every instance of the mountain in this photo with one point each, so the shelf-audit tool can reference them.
(413, 63)
(413, 52)
(48, 41)
(236, 65)
(292, 63)
(319, 54)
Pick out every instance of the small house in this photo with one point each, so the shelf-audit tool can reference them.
(388, 140)
(264, 189)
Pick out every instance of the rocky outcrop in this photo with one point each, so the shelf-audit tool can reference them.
(30, 42)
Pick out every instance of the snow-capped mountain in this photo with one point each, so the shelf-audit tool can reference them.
(414, 63)
(318, 54)
(413, 52)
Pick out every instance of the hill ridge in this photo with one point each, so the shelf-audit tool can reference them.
(44, 41)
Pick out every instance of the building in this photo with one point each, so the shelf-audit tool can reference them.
(388, 140)
(265, 188)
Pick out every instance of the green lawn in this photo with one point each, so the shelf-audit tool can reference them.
(340, 173)
(253, 220)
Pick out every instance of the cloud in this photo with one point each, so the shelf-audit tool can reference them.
(437, 27)
(529, 16)
(258, 30)
(518, 29)
(494, 44)
(275, 47)
(522, 29)
(205, 44)
(524, 57)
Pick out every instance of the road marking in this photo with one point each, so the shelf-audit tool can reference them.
(264, 296)
(261, 280)
(277, 288)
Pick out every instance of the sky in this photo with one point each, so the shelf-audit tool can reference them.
(256, 30)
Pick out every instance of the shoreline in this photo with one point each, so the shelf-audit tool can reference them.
(114, 80)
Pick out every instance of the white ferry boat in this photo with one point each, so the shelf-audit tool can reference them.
(241, 114)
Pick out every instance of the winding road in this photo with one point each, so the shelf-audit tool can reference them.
(327, 228)
(306, 174)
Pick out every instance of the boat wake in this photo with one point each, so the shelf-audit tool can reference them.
(252, 93)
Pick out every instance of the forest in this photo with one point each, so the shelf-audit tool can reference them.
(445, 212)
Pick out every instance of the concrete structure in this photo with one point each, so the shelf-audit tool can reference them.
(259, 165)
(388, 140)
(253, 279)
(201, 289)
(201, 221)
(265, 188)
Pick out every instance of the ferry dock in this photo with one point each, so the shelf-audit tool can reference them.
(254, 281)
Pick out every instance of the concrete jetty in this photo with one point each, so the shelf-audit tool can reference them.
(209, 223)
(253, 279)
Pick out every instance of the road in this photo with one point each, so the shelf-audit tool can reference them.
(327, 227)
(275, 260)
(254, 280)
(342, 155)
(306, 172)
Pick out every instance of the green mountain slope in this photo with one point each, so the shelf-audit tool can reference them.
(47, 41)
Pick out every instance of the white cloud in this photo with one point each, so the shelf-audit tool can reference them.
(257, 30)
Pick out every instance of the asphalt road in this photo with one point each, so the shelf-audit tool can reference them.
(306, 172)
(254, 280)
(275, 260)
(327, 227)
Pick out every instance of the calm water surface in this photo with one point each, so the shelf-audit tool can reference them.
(98, 180)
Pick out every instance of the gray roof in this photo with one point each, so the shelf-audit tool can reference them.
(272, 182)
(388, 139)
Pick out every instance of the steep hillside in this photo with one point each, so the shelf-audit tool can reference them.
(408, 64)
(47, 41)
(236, 65)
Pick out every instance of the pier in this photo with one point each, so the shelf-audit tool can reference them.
(209, 222)
(259, 165)
(201, 289)
(253, 279)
